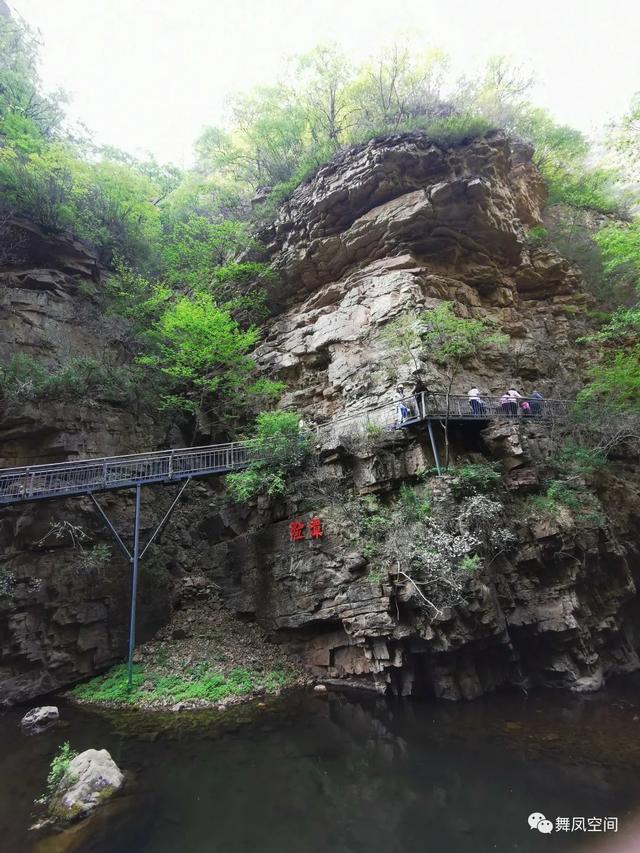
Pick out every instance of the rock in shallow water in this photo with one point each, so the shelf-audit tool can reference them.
(38, 719)
(90, 779)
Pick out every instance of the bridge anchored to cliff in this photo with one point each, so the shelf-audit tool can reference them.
(84, 477)
(90, 476)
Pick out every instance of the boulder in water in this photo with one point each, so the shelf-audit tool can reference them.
(91, 778)
(38, 719)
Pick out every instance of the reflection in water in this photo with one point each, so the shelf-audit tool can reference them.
(344, 774)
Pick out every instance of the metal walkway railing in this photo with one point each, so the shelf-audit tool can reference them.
(427, 406)
(37, 482)
(64, 479)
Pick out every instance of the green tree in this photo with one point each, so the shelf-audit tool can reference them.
(20, 87)
(201, 349)
(324, 77)
(615, 378)
(624, 139)
(620, 247)
(397, 88)
(196, 247)
(268, 143)
(498, 94)
(615, 381)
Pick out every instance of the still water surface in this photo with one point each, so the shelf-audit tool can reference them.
(346, 774)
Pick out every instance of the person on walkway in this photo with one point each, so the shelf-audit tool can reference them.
(536, 404)
(476, 402)
(420, 394)
(516, 397)
(402, 409)
(509, 403)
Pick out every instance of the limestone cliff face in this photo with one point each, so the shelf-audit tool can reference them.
(394, 227)
(61, 617)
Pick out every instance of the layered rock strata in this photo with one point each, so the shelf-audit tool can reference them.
(389, 229)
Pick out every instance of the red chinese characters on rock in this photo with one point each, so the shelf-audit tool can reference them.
(315, 528)
(296, 531)
(297, 528)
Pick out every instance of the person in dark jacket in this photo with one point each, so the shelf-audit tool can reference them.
(536, 404)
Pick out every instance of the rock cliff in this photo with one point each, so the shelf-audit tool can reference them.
(62, 610)
(389, 228)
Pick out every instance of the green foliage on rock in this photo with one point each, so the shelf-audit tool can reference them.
(450, 339)
(615, 378)
(578, 460)
(201, 349)
(190, 276)
(570, 494)
(474, 479)
(278, 447)
(427, 543)
(615, 381)
(59, 766)
(24, 378)
(620, 247)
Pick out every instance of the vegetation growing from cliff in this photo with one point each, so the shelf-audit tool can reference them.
(183, 225)
(474, 478)
(615, 377)
(278, 447)
(277, 135)
(425, 542)
(204, 352)
(583, 504)
(447, 340)
(176, 236)
(24, 378)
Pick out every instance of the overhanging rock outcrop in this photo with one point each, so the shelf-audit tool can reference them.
(396, 226)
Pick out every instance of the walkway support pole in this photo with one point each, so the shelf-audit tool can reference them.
(434, 446)
(134, 584)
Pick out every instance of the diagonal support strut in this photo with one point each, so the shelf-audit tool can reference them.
(166, 518)
(135, 557)
(115, 533)
(434, 447)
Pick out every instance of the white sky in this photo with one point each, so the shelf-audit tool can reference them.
(146, 75)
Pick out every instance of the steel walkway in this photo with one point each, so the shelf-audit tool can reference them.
(67, 479)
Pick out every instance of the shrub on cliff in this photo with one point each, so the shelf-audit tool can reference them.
(441, 337)
(277, 448)
(24, 378)
(427, 545)
(473, 479)
(203, 352)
